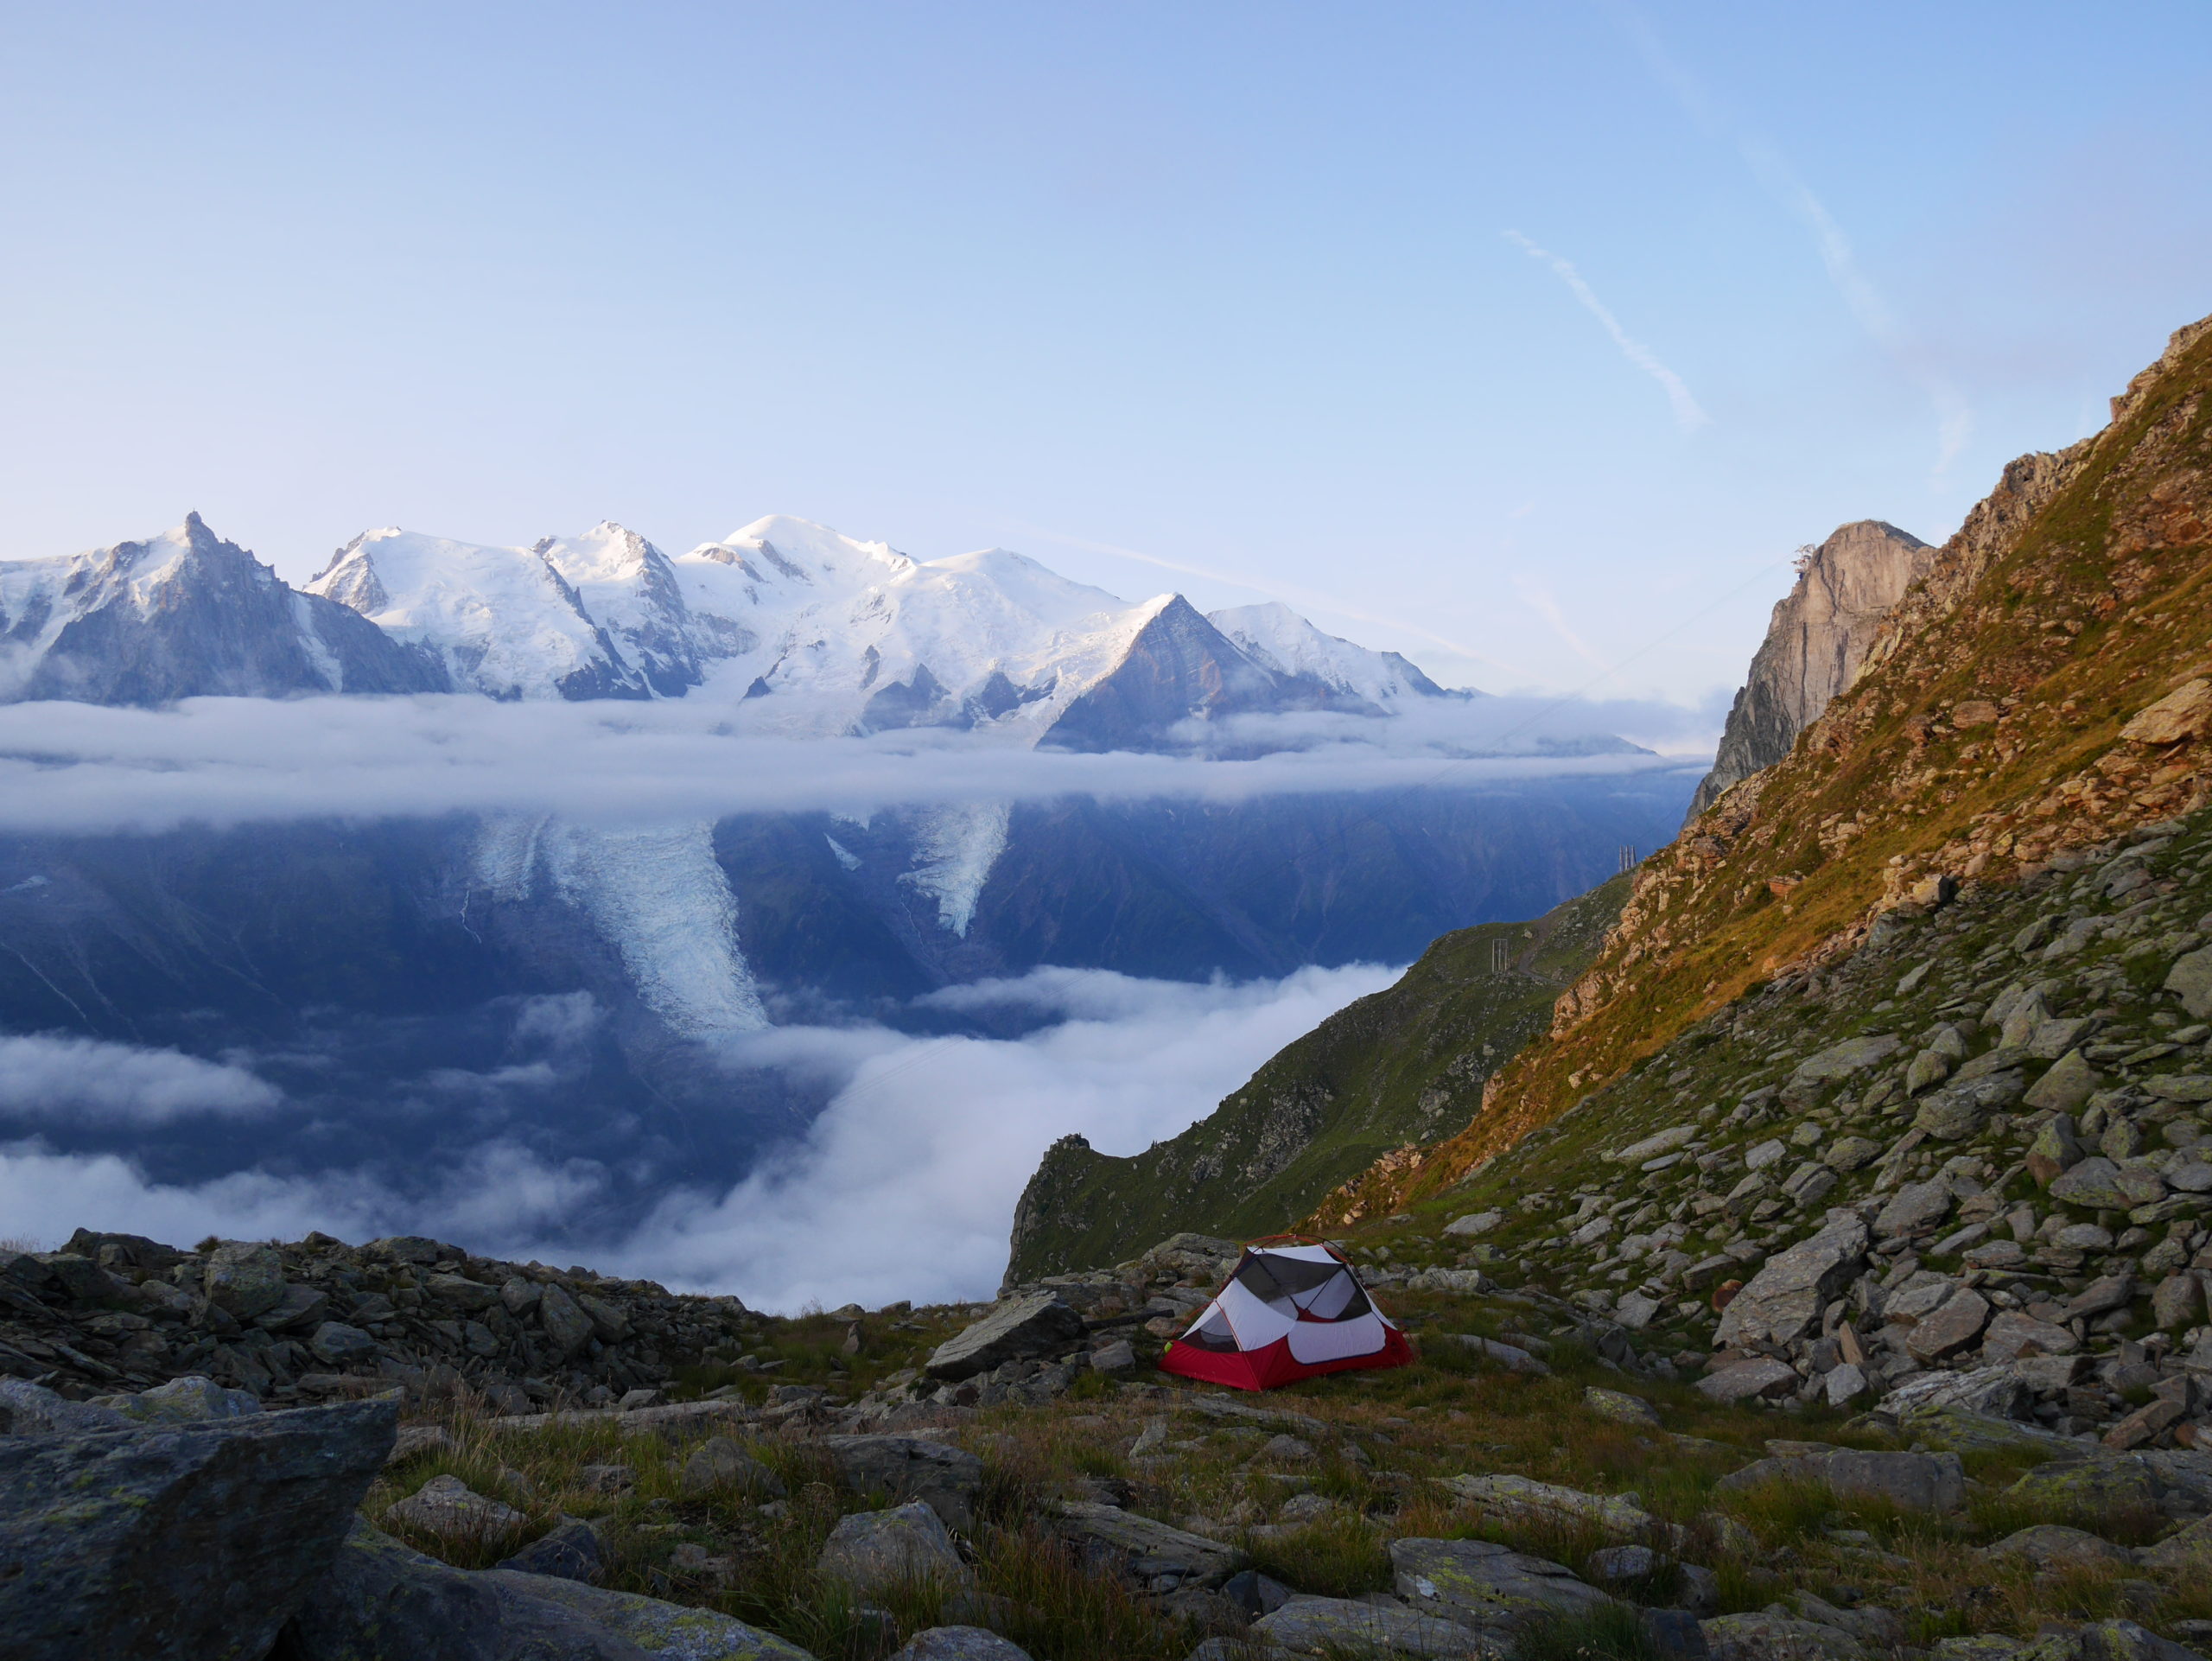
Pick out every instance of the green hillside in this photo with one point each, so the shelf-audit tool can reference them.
(1406, 1065)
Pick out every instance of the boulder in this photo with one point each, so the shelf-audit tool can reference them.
(2070, 1082)
(2094, 1184)
(722, 1463)
(189, 1399)
(571, 1550)
(194, 1539)
(2123, 1640)
(1849, 1154)
(1511, 1357)
(1852, 1056)
(1997, 1391)
(2089, 1486)
(1961, 1109)
(1929, 1482)
(458, 1292)
(2190, 980)
(2054, 1549)
(2177, 1301)
(1523, 1499)
(1475, 1223)
(449, 1508)
(1915, 1207)
(1486, 1586)
(1950, 1327)
(335, 1344)
(944, 1478)
(565, 1325)
(2179, 1087)
(382, 1600)
(1040, 1324)
(1151, 1552)
(1778, 1638)
(1335, 1627)
(2100, 1297)
(26, 1409)
(2013, 1334)
(1784, 1299)
(1620, 1406)
(875, 1550)
(243, 1278)
(2187, 1549)
(960, 1643)
(2182, 713)
(1745, 1380)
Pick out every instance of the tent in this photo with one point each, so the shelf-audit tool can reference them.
(1287, 1312)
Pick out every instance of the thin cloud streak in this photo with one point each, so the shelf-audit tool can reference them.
(1689, 415)
(1954, 418)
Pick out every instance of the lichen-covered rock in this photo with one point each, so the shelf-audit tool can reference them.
(2052, 1548)
(190, 1399)
(1778, 1638)
(2070, 1082)
(874, 1550)
(2190, 980)
(1620, 1406)
(189, 1540)
(1485, 1585)
(1332, 1626)
(2093, 1184)
(1523, 1499)
(2089, 1486)
(26, 1409)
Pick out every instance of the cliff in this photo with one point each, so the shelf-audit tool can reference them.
(1815, 644)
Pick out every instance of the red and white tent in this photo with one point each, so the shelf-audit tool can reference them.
(1287, 1312)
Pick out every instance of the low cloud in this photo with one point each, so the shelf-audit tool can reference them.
(78, 768)
(88, 1081)
(904, 1187)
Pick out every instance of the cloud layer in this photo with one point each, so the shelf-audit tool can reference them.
(87, 1081)
(72, 767)
(904, 1188)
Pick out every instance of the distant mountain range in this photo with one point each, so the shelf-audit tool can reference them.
(576, 982)
(807, 632)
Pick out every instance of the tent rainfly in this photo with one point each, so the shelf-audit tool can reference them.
(1287, 1312)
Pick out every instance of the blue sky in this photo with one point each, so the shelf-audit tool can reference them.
(1228, 287)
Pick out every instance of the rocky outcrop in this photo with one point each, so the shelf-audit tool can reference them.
(320, 1319)
(184, 1539)
(1815, 643)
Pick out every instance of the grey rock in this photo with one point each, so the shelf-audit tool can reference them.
(186, 1540)
(2100, 1296)
(447, 1507)
(1040, 1324)
(2013, 1333)
(2190, 980)
(1254, 1593)
(2070, 1082)
(336, 1343)
(408, 1249)
(2052, 1548)
(2094, 1184)
(381, 1600)
(945, 1478)
(2090, 1486)
(1779, 1637)
(1482, 1222)
(27, 1409)
(1620, 1406)
(1961, 1109)
(458, 1292)
(1844, 1061)
(1957, 1323)
(1915, 1207)
(300, 1307)
(1745, 1380)
(1485, 1585)
(571, 1550)
(960, 1643)
(2177, 1301)
(2123, 1640)
(2180, 1087)
(1784, 1299)
(722, 1463)
(190, 1399)
(1931, 1482)
(520, 1295)
(871, 1550)
(243, 1278)
(566, 1326)
(2187, 1548)
(1844, 1383)
(1849, 1154)
(1148, 1549)
(1330, 1626)
(1523, 1499)
(1815, 644)
(1118, 1357)
(1510, 1357)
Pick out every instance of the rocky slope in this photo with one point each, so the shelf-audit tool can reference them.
(1355, 1089)
(2040, 691)
(1815, 644)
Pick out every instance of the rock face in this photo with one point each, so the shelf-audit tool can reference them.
(1816, 642)
(1037, 1324)
(194, 1539)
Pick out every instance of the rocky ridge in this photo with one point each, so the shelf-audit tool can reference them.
(1815, 645)
(2036, 693)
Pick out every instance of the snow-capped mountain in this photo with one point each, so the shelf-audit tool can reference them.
(186, 614)
(812, 633)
